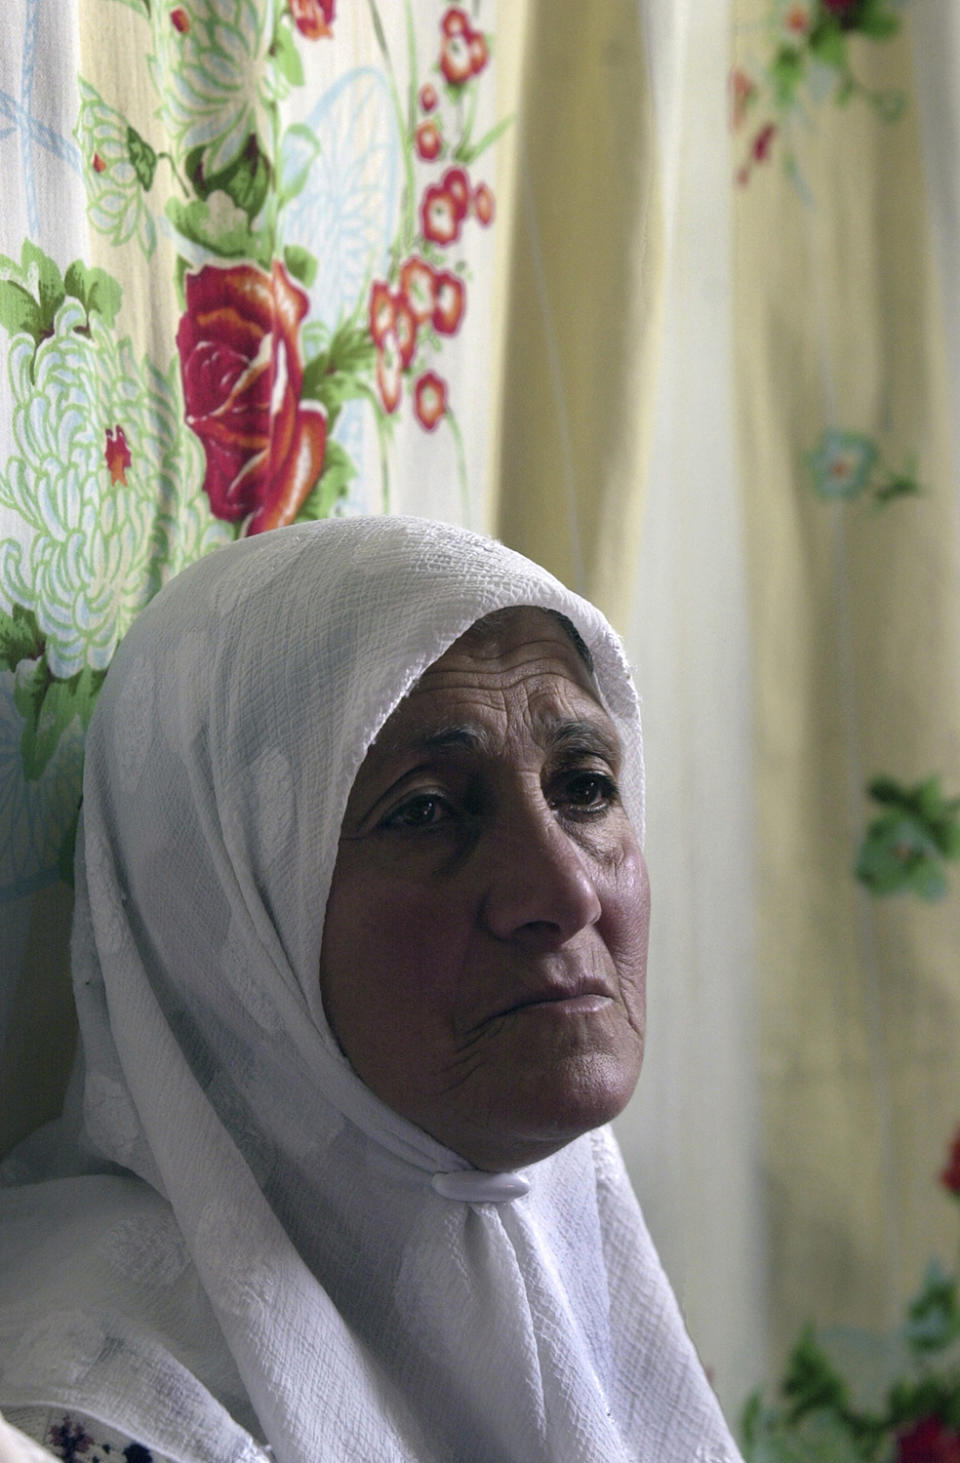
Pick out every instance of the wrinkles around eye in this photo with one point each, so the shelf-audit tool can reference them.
(585, 794)
(425, 810)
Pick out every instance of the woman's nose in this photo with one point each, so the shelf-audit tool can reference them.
(541, 885)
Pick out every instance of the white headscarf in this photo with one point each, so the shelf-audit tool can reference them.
(252, 1247)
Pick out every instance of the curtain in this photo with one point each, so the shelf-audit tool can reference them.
(661, 293)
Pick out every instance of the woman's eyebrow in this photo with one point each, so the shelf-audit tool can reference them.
(597, 738)
(442, 737)
(566, 735)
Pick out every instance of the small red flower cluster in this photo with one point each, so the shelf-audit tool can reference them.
(116, 455)
(445, 206)
(928, 1441)
(463, 50)
(950, 1176)
(429, 140)
(425, 296)
(313, 18)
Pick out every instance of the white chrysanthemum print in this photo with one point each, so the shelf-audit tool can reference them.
(115, 195)
(216, 79)
(106, 483)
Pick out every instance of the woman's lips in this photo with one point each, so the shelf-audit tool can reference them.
(561, 1003)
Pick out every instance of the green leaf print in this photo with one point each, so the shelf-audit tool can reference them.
(786, 73)
(340, 371)
(876, 20)
(219, 225)
(143, 158)
(300, 263)
(49, 707)
(18, 310)
(829, 46)
(904, 850)
(245, 181)
(20, 637)
(96, 290)
(287, 58)
(31, 292)
(933, 1316)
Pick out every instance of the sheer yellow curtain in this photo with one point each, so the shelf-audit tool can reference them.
(849, 481)
(582, 299)
(616, 469)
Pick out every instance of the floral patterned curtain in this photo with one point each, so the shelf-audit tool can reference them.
(849, 473)
(665, 295)
(246, 267)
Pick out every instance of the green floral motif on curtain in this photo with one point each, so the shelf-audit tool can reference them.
(847, 1397)
(906, 847)
(808, 60)
(849, 465)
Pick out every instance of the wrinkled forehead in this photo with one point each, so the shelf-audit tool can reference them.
(522, 667)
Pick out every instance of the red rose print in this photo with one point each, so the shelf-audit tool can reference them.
(439, 216)
(428, 140)
(99, 166)
(405, 329)
(242, 374)
(455, 22)
(381, 311)
(928, 1441)
(117, 455)
(313, 18)
(483, 204)
(450, 301)
(418, 288)
(457, 184)
(180, 19)
(430, 399)
(455, 62)
(950, 1177)
(478, 52)
(428, 97)
(388, 372)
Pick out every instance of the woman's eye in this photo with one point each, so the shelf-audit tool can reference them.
(427, 810)
(588, 792)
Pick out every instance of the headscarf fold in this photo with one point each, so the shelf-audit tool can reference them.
(247, 1247)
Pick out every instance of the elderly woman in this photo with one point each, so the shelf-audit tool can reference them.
(359, 963)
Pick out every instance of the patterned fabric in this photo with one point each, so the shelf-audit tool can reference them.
(79, 1439)
(847, 394)
(245, 279)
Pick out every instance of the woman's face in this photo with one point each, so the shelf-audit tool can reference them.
(484, 950)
